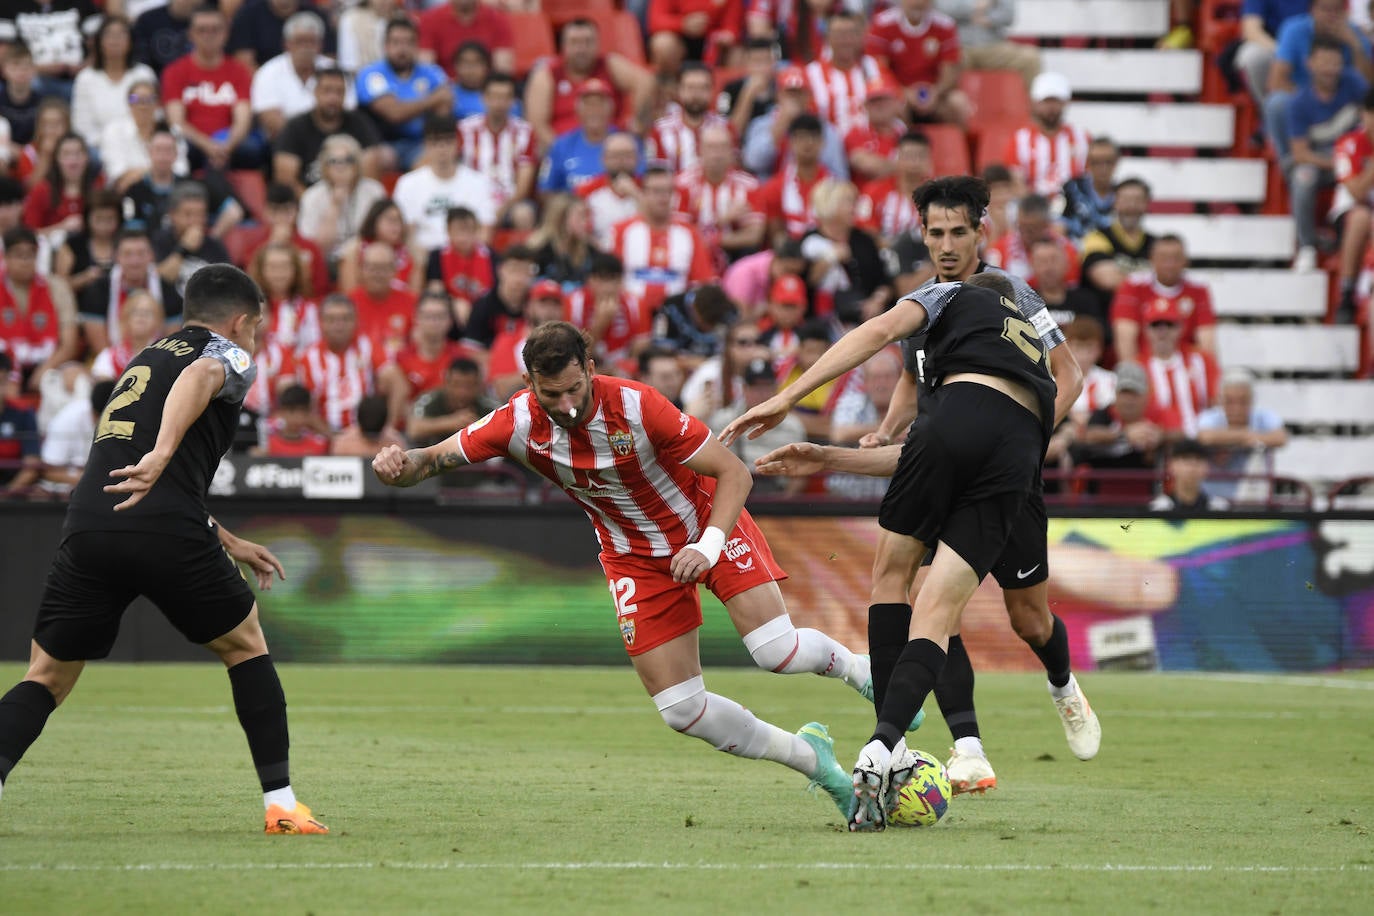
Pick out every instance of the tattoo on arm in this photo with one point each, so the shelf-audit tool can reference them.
(420, 465)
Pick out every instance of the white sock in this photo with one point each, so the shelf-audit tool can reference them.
(779, 647)
(970, 747)
(282, 797)
(860, 671)
(727, 726)
(1067, 690)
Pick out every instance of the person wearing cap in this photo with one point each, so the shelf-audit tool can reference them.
(1183, 381)
(1123, 436)
(1166, 279)
(760, 383)
(1187, 468)
(768, 141)
(886, 205)
(552, 90)
(441, 183)
(871, 144)
(983, 26)
(676, 137)
(714, 195)
(399, 90)
(921, 47)
(787, 303)
(842, 74)
(505, 365)
(663, 256)
(576, 156)
(1047, 152)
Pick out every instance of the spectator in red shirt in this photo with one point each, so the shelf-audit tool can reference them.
(207, 97)
(385, 305)
(1033, 224)
(552, 88)
(619, 324)
(282, 212)
(291, 430)
(921, 47)
(692, 30)
(384, 224)
(662, 256)
(886, 206)
(871, 144)
(1165, 280)
(676, 137)
(35, 333)
(507, 366)
(57, 202)
(785, 201)
(341, 369)
(462, 269)
(421, 363)
(1353, 164)
(1183, 381)
(445, 28)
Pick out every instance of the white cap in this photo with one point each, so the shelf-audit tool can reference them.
(1051, 86)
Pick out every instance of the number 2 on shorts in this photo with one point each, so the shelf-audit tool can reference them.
(131, 386)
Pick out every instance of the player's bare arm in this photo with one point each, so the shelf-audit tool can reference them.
(901, 411)
(261, 560)
(398, 467)
(902, 320)
(190, 395)
(1068, 379)
(733, 483)
(802, 459)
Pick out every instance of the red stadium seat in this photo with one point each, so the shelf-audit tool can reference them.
(724, 76)
(251, 190)
(561, 12)
(992, 143)
(505, 238)
(533, 40)
(243, 239)
(949, 150)
(997, 96)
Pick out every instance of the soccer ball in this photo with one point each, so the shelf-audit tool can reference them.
(924, 800)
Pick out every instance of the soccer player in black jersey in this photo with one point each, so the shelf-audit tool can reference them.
(967, 469)
(138, 525)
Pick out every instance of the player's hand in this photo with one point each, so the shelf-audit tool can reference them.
(757, 420)
(392, 464)
(262, 561)
(800, 459)
(875, 440)
(689, 565)
(137, 480)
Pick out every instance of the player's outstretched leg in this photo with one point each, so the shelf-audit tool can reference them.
(24, 710)
(1045, 633)
(261, 707)
(968, 766)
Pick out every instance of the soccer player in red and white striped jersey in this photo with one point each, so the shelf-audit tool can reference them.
(1048, 152)
(662, 256)
(676, 137)
(662, 494)
(885, 206)
(839, 80)
(499, 144)
(713, 195)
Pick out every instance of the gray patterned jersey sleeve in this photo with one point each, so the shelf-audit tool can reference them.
(934, 297)
(239, 369)
(1033, 309)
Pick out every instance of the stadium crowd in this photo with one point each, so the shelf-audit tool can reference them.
(715, 201)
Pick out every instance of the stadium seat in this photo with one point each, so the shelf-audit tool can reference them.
(1230, 238)
(1319, 403)
(1327, 458)
(1259, 293)
(625, 37)
(1166, 124)
(243, 239)
(561, 12)
(1126, 72)
(533, 40)
(251, 190)
(1092, 18)
(997, 96)
(1198, 180)
(948, 149)
(992, 143)
(1309, 348)
(505, 238)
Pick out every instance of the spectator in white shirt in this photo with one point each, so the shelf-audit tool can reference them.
(285, 86)
(101, 91)
(426, 194)
(126, 158)
(333, 208)
(68, 440)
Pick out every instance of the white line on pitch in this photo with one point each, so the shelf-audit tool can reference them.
(1284, 680)
(1105, 868)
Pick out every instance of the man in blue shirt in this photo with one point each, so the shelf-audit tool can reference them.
(575, 157)
(1317, 117)
(398, 91)
(1260, 21)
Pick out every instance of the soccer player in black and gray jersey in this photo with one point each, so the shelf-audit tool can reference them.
(138, 525)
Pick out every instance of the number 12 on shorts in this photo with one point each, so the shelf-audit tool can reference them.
(623, 592)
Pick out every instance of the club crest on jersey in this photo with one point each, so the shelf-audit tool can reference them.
(622, 443)
(627, 630)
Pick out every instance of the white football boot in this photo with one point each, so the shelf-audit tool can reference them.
(1081, 728)
(867, 810)
(969, 773)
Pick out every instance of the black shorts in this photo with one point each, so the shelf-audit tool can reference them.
(967, 469)
(96, 574)
(1025, 561)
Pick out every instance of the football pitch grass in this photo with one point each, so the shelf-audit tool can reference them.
(559, 790)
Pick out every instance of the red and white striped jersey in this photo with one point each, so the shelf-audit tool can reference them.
(340, 380)
(631, 322)
(625, 466)
(884, 208)
(607, 207)
(786, 199)
(661, 262)
(840, 94)
(293, 323)
(711, 207)
(497, 154)
(275, 362)
(1099, 391)
(676, 142)
(1047, 162)
(1181, 387)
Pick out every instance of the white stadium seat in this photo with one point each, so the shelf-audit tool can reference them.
(1272, 293)
(1167, 124)
(1327, 458)
(1289, 348)
(1126, 72)
(1093, 18)
(1229, 238)
(1319, 403)
(1178, 179)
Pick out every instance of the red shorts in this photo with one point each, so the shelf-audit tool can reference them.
(653, 609)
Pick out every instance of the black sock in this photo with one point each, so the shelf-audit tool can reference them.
(261, 706)
(913, 677)
(23, 713)
(889, 626)
(954, 691)
(1054, 654)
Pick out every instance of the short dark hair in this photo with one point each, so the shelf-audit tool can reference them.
(104, 199)
(805, 123)
(1140, 183)
(19, 235)
(1033, 205)
(477, 46)
(995, 281)
(339, 299)
(462, 365)
(1322, 42)
(582, 22)
(322, 72)
(399, 21)
(460, 213)
(606, 265)
(1171, 238)
(711, 303)
(220, 292)
(294, 397)
(138, 231)
(647, 357)
(6, 366)
(553, 347)
(520, 253)
(19, 50)
(100, 394)
(914, 137)
(761, 44)
(657, 170)
(279, 195)
(954, 192)
(996, 173)
(440, 126)
(695, 66)
(815, 329)
(11, 191)
(1189, 448)
(371, 414)
(498, 79)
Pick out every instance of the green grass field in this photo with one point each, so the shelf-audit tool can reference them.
(480, 790)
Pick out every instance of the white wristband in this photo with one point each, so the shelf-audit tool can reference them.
(709, 545)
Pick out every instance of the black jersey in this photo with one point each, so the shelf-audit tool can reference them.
(127, 430)
(973, 329)
(1028, 301)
